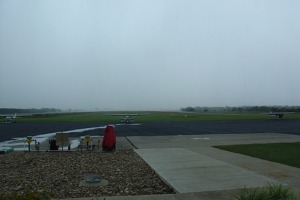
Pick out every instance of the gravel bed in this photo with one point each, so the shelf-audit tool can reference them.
(59, 174)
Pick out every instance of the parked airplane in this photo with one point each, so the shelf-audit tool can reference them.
(126, 118)
(277, 114)
(10, 118)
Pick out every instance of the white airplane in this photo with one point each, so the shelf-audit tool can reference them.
(10, 118)
(276, 114)
(126, 118)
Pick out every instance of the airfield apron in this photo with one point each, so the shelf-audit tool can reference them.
(109, 139)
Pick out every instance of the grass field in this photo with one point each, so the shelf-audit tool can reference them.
(284, 153)
(149, 116)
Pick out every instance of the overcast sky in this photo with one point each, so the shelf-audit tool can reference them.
(148, 54)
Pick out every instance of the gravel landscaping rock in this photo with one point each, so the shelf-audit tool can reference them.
(59, 174)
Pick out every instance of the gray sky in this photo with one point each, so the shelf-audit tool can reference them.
(150, 54)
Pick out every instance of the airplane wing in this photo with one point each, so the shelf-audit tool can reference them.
(277, 114)
(15, 115)
(123, 114)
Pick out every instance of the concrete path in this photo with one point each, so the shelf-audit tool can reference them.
(196, 170)
(188, 172)
(203, 144)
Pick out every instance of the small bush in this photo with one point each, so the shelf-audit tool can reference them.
(270, 192)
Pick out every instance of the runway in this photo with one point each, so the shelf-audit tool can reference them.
(9, 131)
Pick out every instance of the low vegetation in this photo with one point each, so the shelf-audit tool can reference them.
(243, 109)
(284, 153)
(28, 111)
(270, 192)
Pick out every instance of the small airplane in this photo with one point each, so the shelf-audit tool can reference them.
(277, 114)
(126, 118)
(10, 118)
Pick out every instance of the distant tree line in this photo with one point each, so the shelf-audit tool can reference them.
(31, 110)
(243, 109)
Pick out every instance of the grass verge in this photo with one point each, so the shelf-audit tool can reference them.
(148, 116)
(284, 153)
(270, 192)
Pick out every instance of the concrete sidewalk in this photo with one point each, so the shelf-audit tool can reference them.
(202, 144)
(196, 170)
(187, 172)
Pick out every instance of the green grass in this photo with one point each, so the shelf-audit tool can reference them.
(149, 116)
(70, 117)
(284, 153)
(271, 192)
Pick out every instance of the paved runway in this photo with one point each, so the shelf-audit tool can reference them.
(8, 131)
(211, 127)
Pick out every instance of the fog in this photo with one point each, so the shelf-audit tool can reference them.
(148, 55)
